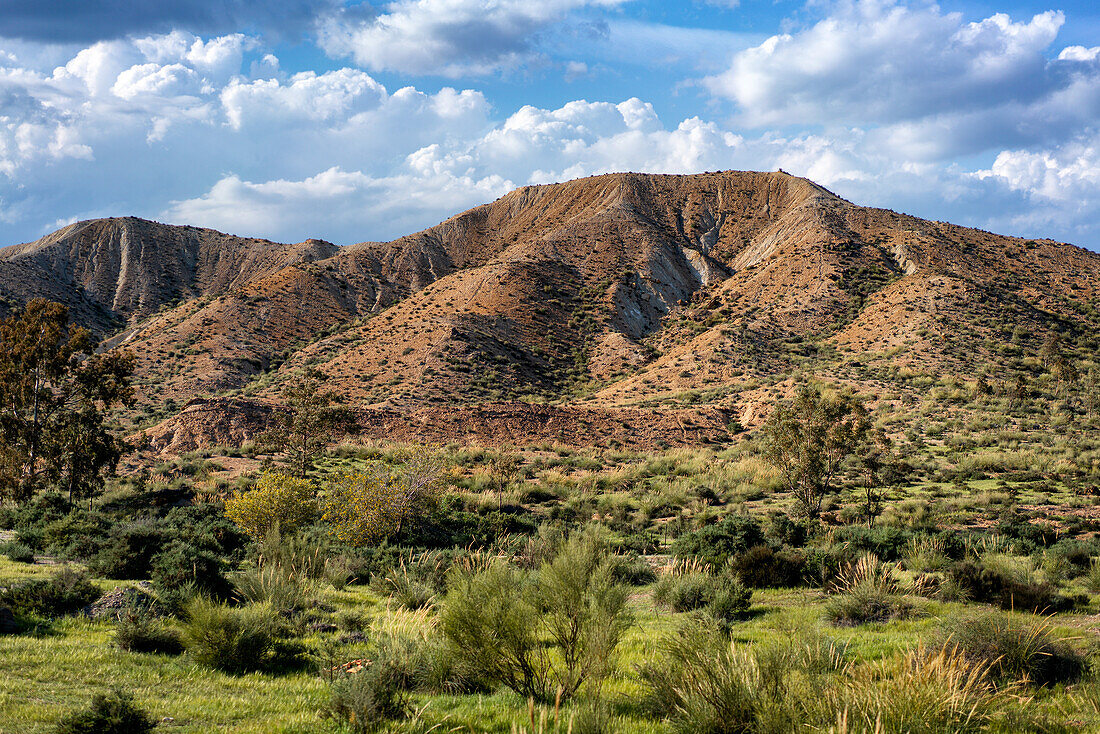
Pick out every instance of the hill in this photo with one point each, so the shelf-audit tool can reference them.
(704, 296)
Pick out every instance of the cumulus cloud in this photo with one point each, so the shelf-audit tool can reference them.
(880, 61)
(450, 38)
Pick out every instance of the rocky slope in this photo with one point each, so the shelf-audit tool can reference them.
(623, 292)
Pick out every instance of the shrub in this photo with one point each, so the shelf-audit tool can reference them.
(870, 593)
(368, 697)
(66, 592)
(128, 552)
(274, 585)
(408, 591)
(983, 583)
(496, 620)
(113, 713)
(19, 552)
(760, 567)
(730, 603)
(919, 693)
(180, 565)
(234, 640)
(713, 544)
(1013, 649)
(136, 631)
(277, 500)
(704, 683)
(632, 570)
(490, 620)
(684, 592)
(76, 535)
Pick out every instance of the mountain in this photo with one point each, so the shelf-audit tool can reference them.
(669, 295)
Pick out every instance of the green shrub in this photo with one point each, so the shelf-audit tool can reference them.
(66, 592)
(684, 592)
(77, 535)
(114, 713)
(760, 567)
(632, 570)
(181, 565)
(275, 586)
(713, 544)
(983, 583)
(128, 551)
(729, 604)
(704, 684)
(234, 640)
(19, 552)
(136, 631)
(1013, 649)
(866, 605)
(369, 697)
(407, 591)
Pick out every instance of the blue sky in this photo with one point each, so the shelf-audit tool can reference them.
(354, 121)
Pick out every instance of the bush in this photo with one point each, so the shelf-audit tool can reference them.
(368, 697)
(136, 631)
(277, 501)
(408, 591)
(114, 713)
(760, 567)
(1013, 649)
(274, 585)
(497, 619)
(77, 535)
(684, 592)
(128, 552)
(870, 593)
(181, 565)
(233, 640)
(713, 544)
(730, 603)
(632, 570)
(66, 592)
(983, 583)
(19, 552)
(705, 684)
(867, 605)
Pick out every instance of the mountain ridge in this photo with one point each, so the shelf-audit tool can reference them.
(616, 292)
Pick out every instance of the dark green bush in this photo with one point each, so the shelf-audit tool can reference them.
(867, 605)
(114, 713)
(19, 552)
(888, 543)
(989, 585)
(729, 604)
(181, 565)
(66, 592)
(715, 543)
(128, 552)
(77, 535)
(760, 567)
(369, 697)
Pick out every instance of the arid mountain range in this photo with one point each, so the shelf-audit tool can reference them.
(621, 308)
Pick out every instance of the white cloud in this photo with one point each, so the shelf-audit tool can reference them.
(450, 38)
(881, 61)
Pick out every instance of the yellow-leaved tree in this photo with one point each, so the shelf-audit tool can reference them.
(277, 500)
(363, 507)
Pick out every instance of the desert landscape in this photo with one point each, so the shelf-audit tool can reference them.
(559, 367)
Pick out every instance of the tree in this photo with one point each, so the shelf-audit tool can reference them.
(309, 424)
(364, 507)
(54, 394)
(809, 440)
(277, 501)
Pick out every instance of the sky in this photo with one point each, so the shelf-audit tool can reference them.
(349, 120)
